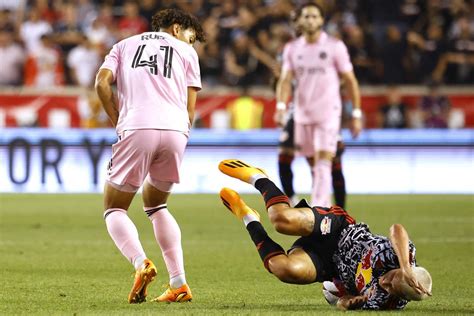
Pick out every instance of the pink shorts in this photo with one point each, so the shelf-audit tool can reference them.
(142, 152)
(311, 138)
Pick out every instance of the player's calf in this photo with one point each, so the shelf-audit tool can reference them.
(271, 193)
(286, 174)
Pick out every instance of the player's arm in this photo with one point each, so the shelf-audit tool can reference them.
(399, 240)
(192, 96)
(103, 87)
(350, 80)
(283, 94)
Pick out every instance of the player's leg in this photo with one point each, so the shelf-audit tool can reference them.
(338, 181)
(120, 227)
(266, 247)
(308, 139)
(310, 257)
(324, 144)
(125, 235)
(285, 159)
(124, 173)
(285, 219)
(310, 161)
(295, 268)
(168, 236)
(322, 179)
(286, 156)
(164, 172)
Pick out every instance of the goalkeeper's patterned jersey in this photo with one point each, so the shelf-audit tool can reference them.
(361, 259)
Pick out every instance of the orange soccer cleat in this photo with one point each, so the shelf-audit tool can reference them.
(143, 277)
(235, 204)
(240, 170)
(179, 295)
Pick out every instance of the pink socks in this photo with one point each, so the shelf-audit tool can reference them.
(321, 193)
(168, 236)
(125, 235)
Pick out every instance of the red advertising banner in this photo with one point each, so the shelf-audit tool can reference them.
(207, 105)
(39, 110)
(214, 108)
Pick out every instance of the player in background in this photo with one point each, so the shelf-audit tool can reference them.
(286, 155)
(286, 150)
(316, 62)
(376, 272)
(157, 76)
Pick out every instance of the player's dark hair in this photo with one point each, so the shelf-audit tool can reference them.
(299, 9)
(167, 17)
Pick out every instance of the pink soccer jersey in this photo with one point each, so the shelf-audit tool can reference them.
(153, 71)
(315, 67)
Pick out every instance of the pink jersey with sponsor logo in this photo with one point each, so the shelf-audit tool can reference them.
(316, 67)
(153, 71)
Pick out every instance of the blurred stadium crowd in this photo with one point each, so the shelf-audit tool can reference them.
(44, 43)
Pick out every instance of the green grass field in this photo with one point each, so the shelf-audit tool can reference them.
(57, 258)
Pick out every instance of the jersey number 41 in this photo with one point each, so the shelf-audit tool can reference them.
(151, 63)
